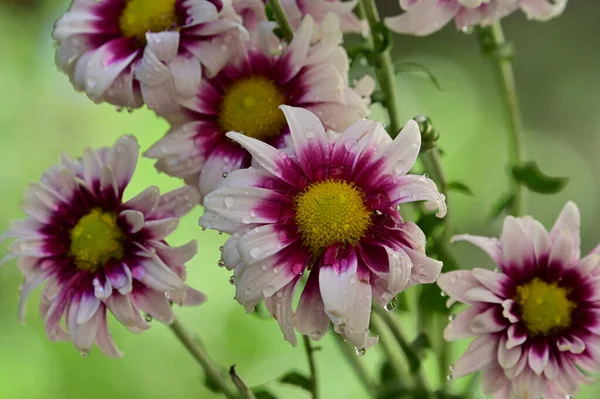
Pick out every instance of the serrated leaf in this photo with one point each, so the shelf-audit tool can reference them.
(297, 379)
(416, 67)
(503, 203)
(459, 187)
(530, 175)
(263, 394)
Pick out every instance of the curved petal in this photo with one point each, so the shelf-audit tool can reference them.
(280, 306)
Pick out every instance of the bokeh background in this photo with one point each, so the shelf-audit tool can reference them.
(558, 74)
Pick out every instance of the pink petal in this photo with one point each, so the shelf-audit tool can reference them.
(487, 322)
(568, 221)
(517, 335)
(517, 245)
(490, 246)
(508, 358)
(425, 270)
(456, 284)
(154, 303)
(176, 203)
(104, 338)
(123, 158)
(459, 328)
(539, 355)
(280, 306)
(310, 318)
(478, 356)
(123, 308)
(262, 242)
(412, 188)
(423, 18)
(493, 281)
(159, 229)
(145, 201)
(133, 219)
(401, 155)
(563, 251)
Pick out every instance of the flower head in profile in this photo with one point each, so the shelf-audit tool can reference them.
(245, 97)
(423, 17)
(253, 12)
(324, 209)
(127, 52)
(536, 321)
(96, 252)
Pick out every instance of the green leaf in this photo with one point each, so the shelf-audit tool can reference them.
(503, 203)
(429, 223)
(297, 379)
(431, 299)
(460, 187)
(416, 67)
(386, 372)
(530, 175)
(263, 394)
(269, 13)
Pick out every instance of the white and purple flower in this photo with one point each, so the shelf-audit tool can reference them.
(536, 321)
(424, 17)
(325, 209)
(127, 52)
(253, 12)
(96, 252)
(245, 97)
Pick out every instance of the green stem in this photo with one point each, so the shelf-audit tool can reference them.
(384, 67)
(212, 371)
(494, 44)
(377, 326)
(411, 356)
(282, 21)
(312, 365)
(357, 366)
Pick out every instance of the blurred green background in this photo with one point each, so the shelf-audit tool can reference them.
(558, 73)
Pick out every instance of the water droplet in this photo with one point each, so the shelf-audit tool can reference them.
(452, 317)
(451, 368)
(392, 305)
(467, 30)
(316, 335)
(309, 134)
(497, 270)
(279, 294)
(350, 145)
(221, 263)
(225, 174)
(221, 248)
(232, 280)
(148, 318)
(443, 293)
(264, 267)
(449, 377)
(84, 353)
(360, 352)
(229, 201)
(400, 167)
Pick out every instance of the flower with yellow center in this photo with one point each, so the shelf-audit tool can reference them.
(251, 106)
(331, 212)
(95, 239)
(142, 16)
(545, 308)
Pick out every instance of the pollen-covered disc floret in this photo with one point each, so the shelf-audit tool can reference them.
(96, 252)
(331, 212)
(325, 210)
(536, 320)
(245, 98)
(423, 17)
(131, 52)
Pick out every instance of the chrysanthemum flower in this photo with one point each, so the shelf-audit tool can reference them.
(245, 98)
(96, 252)
(127, 52)
(423, 17)
(325, 209)
(253, 12)
(536, 320)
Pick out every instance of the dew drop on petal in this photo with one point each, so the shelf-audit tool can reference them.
(264, 267)
(232, 280)
(225, 174)
(449, 377)
(392, 305)
(229, 201)
(442, 293)
(255, 252)
(309, 134)
(316, 335)
(84, 353)
(148, 318)
(221, 248)
(360, 352)
(452, 317)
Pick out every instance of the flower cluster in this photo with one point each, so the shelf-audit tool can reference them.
(423, 17)
(271, 138)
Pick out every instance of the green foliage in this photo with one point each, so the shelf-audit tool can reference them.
(297, 379)
(460, 187)
(530, 175)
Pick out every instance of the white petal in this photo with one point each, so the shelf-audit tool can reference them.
(490, 246)
(157, 275)
(125, 311)
(486, 322)
(310, 318)
(402, 153)
(155, 304)
(459, 328)
(187, 74)
(280, 306)
(493, 281)
(478, 356)
(134, 219)
(262, 242)
(508, 358)
(456, 284)
(538, 361)
(423, 18)
(568, 221)
(563, 251)
(242, 205)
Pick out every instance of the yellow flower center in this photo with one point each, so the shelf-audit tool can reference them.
(250, 106)
(545, 308)
(331, 212)
(142, 16)
(95, 239)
